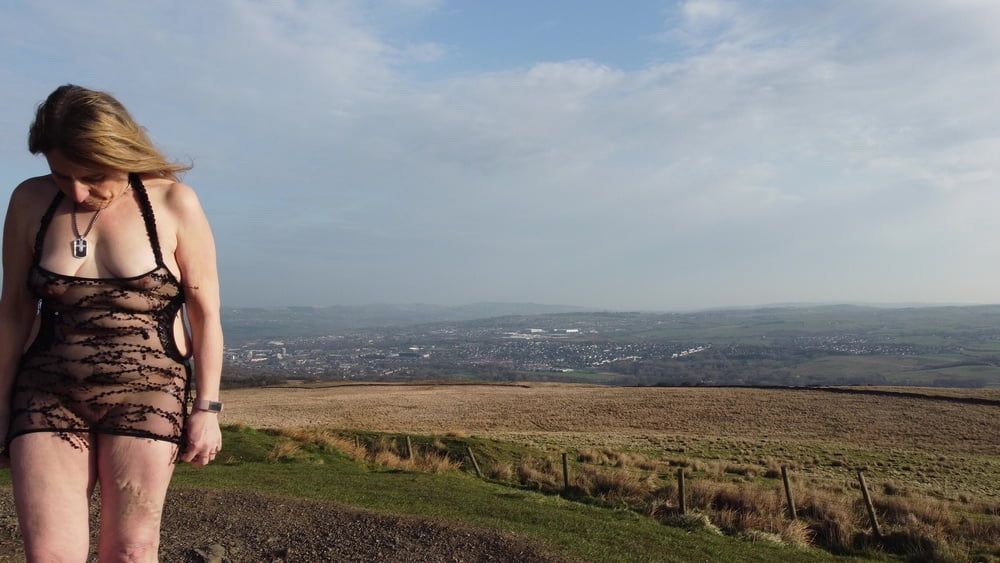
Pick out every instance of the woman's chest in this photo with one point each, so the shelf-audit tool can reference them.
(117, 245)
(148, 292)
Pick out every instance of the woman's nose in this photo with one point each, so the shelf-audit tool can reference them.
(80, 191)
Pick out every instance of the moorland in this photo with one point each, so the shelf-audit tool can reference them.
(932, 462)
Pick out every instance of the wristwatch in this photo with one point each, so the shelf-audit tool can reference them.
(207, 405)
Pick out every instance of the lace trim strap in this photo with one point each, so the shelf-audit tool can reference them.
(147, 217)
(43, 226)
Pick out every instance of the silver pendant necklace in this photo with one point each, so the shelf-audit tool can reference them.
(80, 241)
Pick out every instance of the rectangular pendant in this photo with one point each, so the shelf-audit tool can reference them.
(79, 248)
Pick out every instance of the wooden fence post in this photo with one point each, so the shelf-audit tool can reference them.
(475, 463)
(565, 472)
(788, 493)
(868, 504)
(409, 448)
(681, 501)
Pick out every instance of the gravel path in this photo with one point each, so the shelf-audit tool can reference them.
(208, 525)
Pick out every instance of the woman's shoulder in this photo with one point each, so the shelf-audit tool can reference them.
(33, 194)
(177, 198)
(29, 199)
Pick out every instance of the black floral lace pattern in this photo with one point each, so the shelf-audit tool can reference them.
(104, 359)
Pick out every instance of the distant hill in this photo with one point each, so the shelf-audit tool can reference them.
(248, 323)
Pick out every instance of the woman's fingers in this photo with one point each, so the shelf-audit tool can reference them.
(204, 438)
(201, 454)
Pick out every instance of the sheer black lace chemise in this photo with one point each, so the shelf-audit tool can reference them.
(104, 359)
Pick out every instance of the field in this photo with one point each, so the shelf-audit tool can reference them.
(933, 462)
(935, 445)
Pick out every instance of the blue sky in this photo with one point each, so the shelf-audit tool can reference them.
(639, 155)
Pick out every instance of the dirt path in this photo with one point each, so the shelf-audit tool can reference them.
(205, 525)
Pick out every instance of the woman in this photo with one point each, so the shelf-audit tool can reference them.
(100, 258)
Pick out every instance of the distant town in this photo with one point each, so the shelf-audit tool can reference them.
(386, 352)
(771, 347)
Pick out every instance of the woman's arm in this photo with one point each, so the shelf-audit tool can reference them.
(17, 306)
(195, 254)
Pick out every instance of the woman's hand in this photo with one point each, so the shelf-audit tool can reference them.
(203, 439)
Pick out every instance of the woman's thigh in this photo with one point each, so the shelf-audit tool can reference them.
(134, 474)
(53, 479)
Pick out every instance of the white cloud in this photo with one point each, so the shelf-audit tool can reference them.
(704, 9)
(800, 148)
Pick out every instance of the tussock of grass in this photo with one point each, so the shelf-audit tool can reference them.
(925, 525)
(903, 511)
(892, 488)
(385, 444)
(537, 474)
(772, 473)
(830, 518)
(743, 470)
(646, 464)
(920, 543)
(660, 504)
(327, 441)
(390, 459)
(436, 462)
(593, 455)
(500, 471)
(797, 533)
(283, 451)
(615, 485)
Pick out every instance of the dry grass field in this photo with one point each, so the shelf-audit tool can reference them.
(952, 448)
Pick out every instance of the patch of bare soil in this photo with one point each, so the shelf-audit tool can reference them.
(236, 526)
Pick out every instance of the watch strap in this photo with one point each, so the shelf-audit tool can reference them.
(208, 405)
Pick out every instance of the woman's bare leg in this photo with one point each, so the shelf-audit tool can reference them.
(52, 482)
(134, 475)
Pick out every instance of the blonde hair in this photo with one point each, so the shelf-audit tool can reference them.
(94, 129)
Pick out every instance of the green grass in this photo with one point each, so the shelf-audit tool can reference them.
(574, 529)
(853, 366)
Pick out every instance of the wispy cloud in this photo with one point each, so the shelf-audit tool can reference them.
(789, 151)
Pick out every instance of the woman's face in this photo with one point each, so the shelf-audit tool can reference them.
(91, 188)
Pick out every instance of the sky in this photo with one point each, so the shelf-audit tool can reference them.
(652, 155)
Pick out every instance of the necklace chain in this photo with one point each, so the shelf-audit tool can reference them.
(80, 241)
